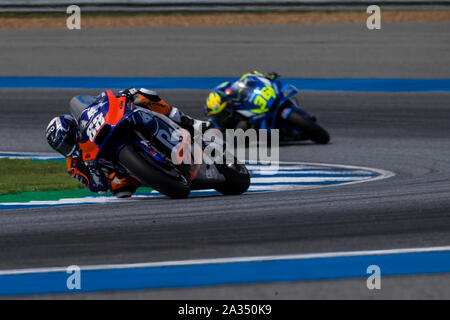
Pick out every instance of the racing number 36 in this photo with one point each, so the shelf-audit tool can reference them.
(95, 125)
(261, 100)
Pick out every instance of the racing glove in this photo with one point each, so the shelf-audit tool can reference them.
(272, 76)
(194, 126)
(148, 99)
(94, 181)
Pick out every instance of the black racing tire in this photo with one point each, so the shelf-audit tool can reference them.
(172, 184)
(237, 179)
(311, 129)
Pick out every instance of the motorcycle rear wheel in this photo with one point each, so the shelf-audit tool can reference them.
(172, 184)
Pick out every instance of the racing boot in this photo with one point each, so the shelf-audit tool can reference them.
(123, 187)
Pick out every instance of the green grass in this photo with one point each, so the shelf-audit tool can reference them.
(18, 176)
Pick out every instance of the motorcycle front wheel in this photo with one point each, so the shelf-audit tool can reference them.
(237, 179)
(311, 129)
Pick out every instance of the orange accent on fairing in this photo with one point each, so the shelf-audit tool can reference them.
(115, 114)
(90, 150)
(157, 106)
(116, 108)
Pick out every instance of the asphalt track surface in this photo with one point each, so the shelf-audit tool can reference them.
(413, 50)
(406, 133)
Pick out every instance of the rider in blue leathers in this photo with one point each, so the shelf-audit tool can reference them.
(63, 136)
(220, 102)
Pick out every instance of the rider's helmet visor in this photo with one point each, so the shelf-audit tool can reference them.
(67, 148)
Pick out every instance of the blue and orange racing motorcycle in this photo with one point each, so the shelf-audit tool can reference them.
(132, 141)
(260, 103)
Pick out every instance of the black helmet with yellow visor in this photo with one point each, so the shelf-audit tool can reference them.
(218, 103)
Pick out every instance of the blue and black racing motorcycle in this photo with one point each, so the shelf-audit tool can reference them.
(260, 103)
(132, 141)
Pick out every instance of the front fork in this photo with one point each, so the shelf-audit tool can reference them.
(286, 110)
(289, 106)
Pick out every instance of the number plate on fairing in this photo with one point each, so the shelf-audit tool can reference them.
(93, 118)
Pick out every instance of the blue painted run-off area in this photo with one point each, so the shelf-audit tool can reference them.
(229, 273)
(366, 85)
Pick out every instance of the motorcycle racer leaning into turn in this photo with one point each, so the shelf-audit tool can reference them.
(63, 135)
(220, 101)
